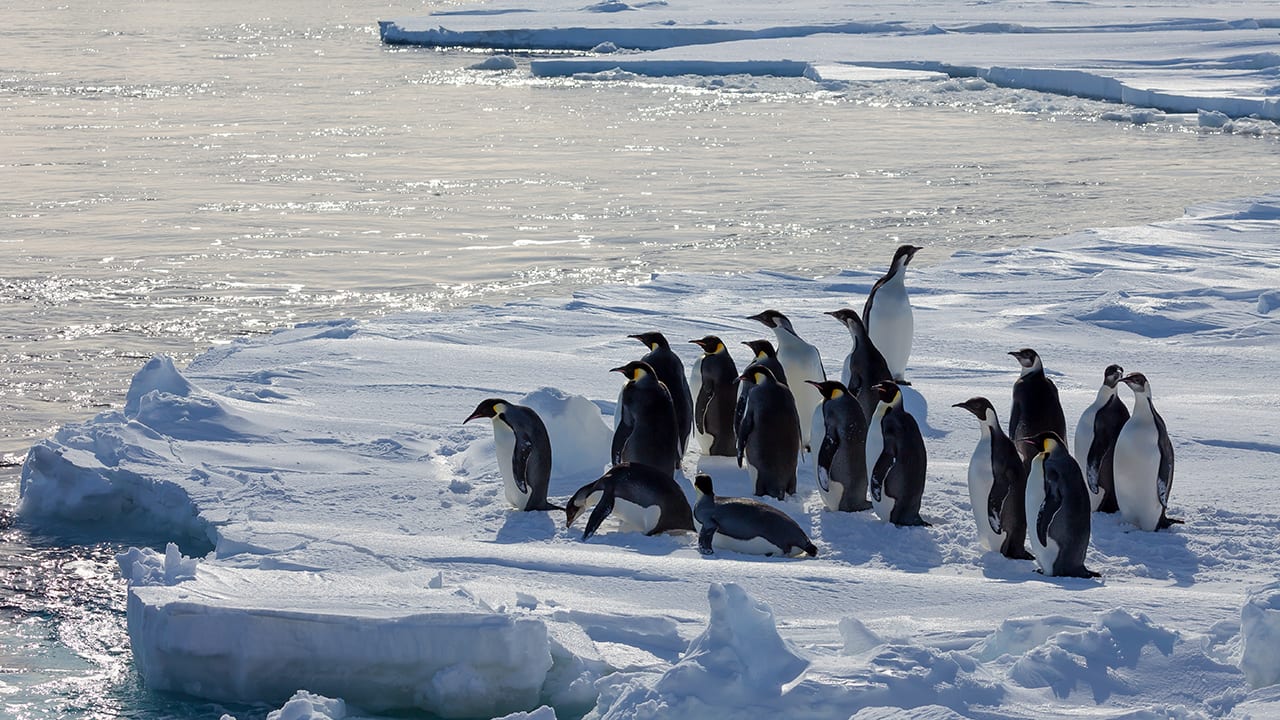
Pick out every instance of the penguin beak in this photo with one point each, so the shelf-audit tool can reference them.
(762, 318)
(479, 413)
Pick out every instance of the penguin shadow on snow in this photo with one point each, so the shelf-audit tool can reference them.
(1161, 555)
(916, 404)
(861, 538)
(523, 526)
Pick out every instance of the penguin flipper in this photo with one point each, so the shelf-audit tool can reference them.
(520, 464)
(1049, 508)
(599, 513)
(704, 537)
(702, 404)
(880, 473)
(626, 424)
(744, 433)
(826, 454)
(1164, 477)
(1000, 486)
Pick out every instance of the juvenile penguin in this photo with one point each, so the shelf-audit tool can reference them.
(524, 452)
(714, 398)
(769, 438)
(802, 362)
(745, 525)
(864, 366)
(887, 313)
(1036, 408)
(646, 429)
(1096, 440)
(895, 460)
(841, 463)
(997, 485)
(644, 499)
(762, 352)
(1143, 463)
(1057, 508)
(670, 371)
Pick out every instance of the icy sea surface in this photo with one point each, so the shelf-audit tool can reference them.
(179, 175)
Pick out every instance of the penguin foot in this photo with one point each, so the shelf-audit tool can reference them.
(1168, 522)
(706, 550)
(1019, 554)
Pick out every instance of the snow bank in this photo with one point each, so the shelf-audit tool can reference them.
(1260, 626)
(1143, 54)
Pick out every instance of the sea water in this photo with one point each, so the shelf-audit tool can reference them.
(178, 175)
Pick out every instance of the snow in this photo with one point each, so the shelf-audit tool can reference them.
(343, 533)
(1159, 55)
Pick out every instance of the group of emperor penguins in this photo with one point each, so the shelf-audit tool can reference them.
(1025, 488)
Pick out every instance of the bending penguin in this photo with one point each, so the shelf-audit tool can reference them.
(1058, 505)
(864, 366)
(1144, 462)
(646, 424)
(1036, 407)
(644, 499)
(802, 362)
(670, 371)
(841, 464)
(714, 398)
(745, 525)
(1096, 435)
(997, 485)
(762, 352)
(895, 458)
(524, 452)
(887, 313)
(769, 438)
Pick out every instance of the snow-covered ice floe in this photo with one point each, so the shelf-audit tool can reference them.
(351, 538)
(1221, 57)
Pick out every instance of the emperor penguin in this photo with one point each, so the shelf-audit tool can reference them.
(1036, 407)
(745, 525)
(644, 499)
(670, 371)
(997, 485)
(864, 366)
(711, 381)
(841, 463)
(524, 452)
(802, 362)
(887, 313)
(769, 438)
(761, 352)
(1058, 505)
(1143, 463)
(895, 460)
(1096, 440)
(646, 429)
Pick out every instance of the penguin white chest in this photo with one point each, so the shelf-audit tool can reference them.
(504, 444)
(1136, 470)
(705, 439)
(750, 546)
(1084, 441)
(830, 492)
(891, 325)
(801, 361)
(1045, 554)
(981, 479)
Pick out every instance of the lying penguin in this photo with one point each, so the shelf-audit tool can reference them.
(745, 525)
(644, 499)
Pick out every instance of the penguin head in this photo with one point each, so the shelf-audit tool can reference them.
(775, 320)
(1028, 359)
(634, 370)
(709, 344)
(889, 392)
(702, 485)
(1137, 382)
(1112, 375)
(490, 408)
(762, 349)
(652, 340)
(830, 389)
(1045, 442)
(980, 407)
(903, 255)
(758, 374)
(850, 319)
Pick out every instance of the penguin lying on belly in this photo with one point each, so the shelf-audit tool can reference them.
(745, 525)
(644, 499)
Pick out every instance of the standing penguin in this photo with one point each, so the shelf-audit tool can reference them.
(895, 458)
(1144, 462)
(1096, 435)
(887, 313)
(644, 499)
(802, 362)
(646, 429)
(841, 464)
(1036, 407)
(524, 452)
(670, 371)
(769, 438)
(745, 525)
(1057, 508)
(997, 485)
(864, 366)
(763, 353)
(714, 398)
